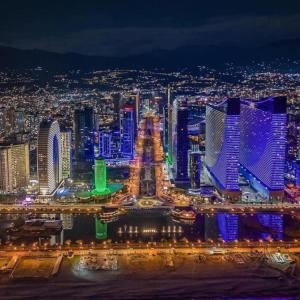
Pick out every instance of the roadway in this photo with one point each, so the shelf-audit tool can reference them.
(80, 248)
(96, 208)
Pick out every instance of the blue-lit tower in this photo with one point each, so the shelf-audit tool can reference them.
(127, 130)
(84, 134)
(109, 142)
(263, 144)
(105, 142)
(222, 145)
(180, 140)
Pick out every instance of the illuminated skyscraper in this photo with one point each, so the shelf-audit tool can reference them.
(109, 142)
(263, 142)
(180, 140)
(105, 142)
(293, 131)
(170, 126)
(165, 128)
(66, 152)
(100, 175)
(137, 108)
(84, 133)
(222, 144)
(49, 157)
(19, 121)
(127, 130)
(134, 101)
(14, 167)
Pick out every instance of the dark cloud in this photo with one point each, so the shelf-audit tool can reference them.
(112, 27)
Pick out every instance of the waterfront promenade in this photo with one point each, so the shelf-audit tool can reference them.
(97, 208)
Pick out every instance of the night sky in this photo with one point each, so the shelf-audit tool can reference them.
(125, 27)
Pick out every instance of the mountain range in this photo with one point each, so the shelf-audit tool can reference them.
(170, 59)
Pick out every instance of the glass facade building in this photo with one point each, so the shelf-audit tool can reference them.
(109, 142)
(66, 152)
(263, 144)
(100, 175)
(127, 130)
(49, 157)
(222, 143)
(84, 134)
(180, 140)
(14, 167)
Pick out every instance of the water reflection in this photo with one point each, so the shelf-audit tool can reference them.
(101, 229)
(228, 225)
(155, 225)
(274, 225)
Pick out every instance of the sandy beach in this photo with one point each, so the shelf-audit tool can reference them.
(139, 278)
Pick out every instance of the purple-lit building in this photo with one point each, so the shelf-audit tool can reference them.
(127, 131)
(222, 144)
(180, 140)
(263, 144)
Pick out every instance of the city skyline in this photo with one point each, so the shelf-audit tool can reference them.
(150, 150)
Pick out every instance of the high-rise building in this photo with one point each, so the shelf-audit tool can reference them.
(109, 142)
(66, 152)
(105, 142)
(19, 121)
(134, 101)
(14, 167)
(263, 142)
(49, 157)
(84, 134)
(170, 126)
(10, 119)
(195, 170)
(100, 175)
(127, 130)
(293, 131)
(117, 101)
(137, 108)
(222, 144)
(180, 140)
(165, 128)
